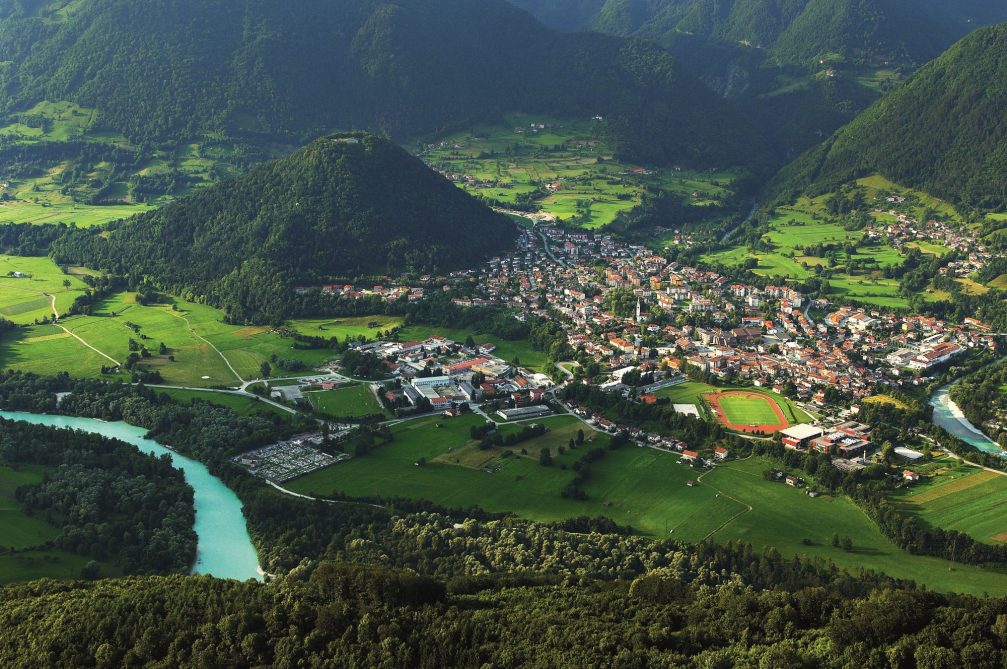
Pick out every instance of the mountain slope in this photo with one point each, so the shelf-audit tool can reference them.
(169, 70)
(349, 205)
(944, 131)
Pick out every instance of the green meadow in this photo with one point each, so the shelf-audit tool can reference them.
(241, 404)
(202, 350)
(434, 459)
(341, 328)
(567, 166)
(960, 497)
(29, 298)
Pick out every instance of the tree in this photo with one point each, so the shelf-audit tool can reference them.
(265, 369)
(580, 437)
(835, 540)
(470, 342)
(545, 457)
(66, 283)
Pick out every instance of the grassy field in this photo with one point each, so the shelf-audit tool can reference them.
(961, 497)
(24, 300)
(566, 165)
(506, 350)
(346, 327)
(692, 392)
(28, 534)
(633, 486)
(807, 223)
(190, 332)
(887, 399)
(241, 404)
(349, 402)
(70, 213)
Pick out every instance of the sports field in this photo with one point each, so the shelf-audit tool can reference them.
(640, 487)
(961, 497)
(743, 411)
(692, 392)
(350, 402)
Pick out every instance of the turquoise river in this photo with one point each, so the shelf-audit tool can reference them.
(224, 548)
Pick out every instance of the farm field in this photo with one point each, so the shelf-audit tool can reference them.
(506, 350)
(640, 487)
(81, 215)
(187, 331)
(28, 535)
(960, 497)
(341, 328)
(350, 402)
(239, 403)
(25, 300)
(564, 166)
(808, 223)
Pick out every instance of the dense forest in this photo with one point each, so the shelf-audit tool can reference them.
(169, 71)
(358, 616)
(111, 502)
(944, 132)
(346, 205)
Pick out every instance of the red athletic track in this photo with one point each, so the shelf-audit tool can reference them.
(714, 402)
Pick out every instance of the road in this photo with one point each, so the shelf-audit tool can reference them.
(242, 393)
(730, 233)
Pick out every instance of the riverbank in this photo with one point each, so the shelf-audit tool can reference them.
(224, 548)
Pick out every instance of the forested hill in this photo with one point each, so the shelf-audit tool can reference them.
(791, 32)
(343, 206)
(944, 131)
(163, 71)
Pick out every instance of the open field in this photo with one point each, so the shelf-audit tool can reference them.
(350, 402)
(961, 497)
(189, 331)
(24, 300)
(241, 404)
(81, 215)
(565, 166)
(341, 328)
(887, 399)
(641, 487)
(506, 350)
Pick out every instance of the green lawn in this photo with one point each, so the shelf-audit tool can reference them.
(81, 215)
(343, 327)
(961, 497)
(240, 403)
(350, 402)
(23, 300)
(633, 486)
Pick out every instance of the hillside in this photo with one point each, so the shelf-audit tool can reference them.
(343, 206)
(944, 132)
(166, 72)
(800, 69)
(790, 32)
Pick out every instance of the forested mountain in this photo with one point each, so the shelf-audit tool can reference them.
(343, 206)
(166, 71)
(944, 131)
(790, 32)
(799, 69)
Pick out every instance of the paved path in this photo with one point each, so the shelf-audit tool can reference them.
(319, 499)
(241, 393)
